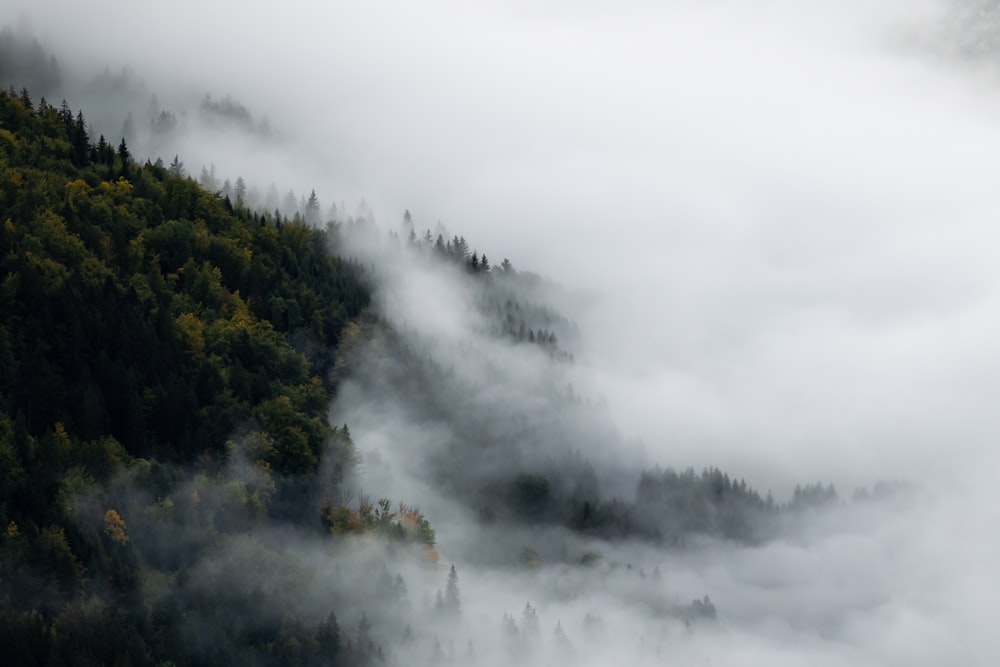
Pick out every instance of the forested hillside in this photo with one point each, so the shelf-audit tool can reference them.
(171, 489)
(365, 334)
(165, 372)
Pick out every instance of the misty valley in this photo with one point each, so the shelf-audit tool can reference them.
(242, 424)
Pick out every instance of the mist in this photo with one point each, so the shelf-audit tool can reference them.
(769, 227)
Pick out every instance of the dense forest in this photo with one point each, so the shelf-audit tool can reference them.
(172, 483)
(168, 358)
(166, 370)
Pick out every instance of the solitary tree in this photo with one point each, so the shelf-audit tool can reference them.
(529, 623)
(114, 527)
(312, 209)
(124, 156)
(452, 596)
(240, 190)
(176, 167)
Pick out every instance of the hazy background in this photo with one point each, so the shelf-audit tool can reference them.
(778, 219)
(781, 212)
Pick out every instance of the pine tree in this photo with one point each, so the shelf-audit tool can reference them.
(125, 157)
(290, 205)
(399, 591)
(452, 596)
(365, 644)
(529, 623)
(562, 641)
(105, 152)
(312, 209)
(80, 140)
(177, 167)
(328, 636)
(240, 190)
(128, 128)
(208, 179)
(439, 603)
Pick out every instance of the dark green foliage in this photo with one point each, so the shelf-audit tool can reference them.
(167, 357)
(143, 310)
(164, 381)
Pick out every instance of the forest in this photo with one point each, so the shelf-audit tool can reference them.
(167, 359)
(152, 335)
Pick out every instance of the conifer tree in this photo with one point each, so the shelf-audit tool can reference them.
(312, 209)
(176, 168)
(240, 190)
(208, 179)
(452, 596)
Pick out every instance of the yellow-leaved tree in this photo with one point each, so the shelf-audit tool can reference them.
(114, 527)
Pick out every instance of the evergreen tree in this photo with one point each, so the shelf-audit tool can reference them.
(176, 168)
(366, 646)
(80, 141)
(328, 636)
(290, 205)
(312, 210)
(452, 596)
(208, 179)
(530, 626)
(128, 128)
(123, 155)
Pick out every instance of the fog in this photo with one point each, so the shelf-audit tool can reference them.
(772, 224)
